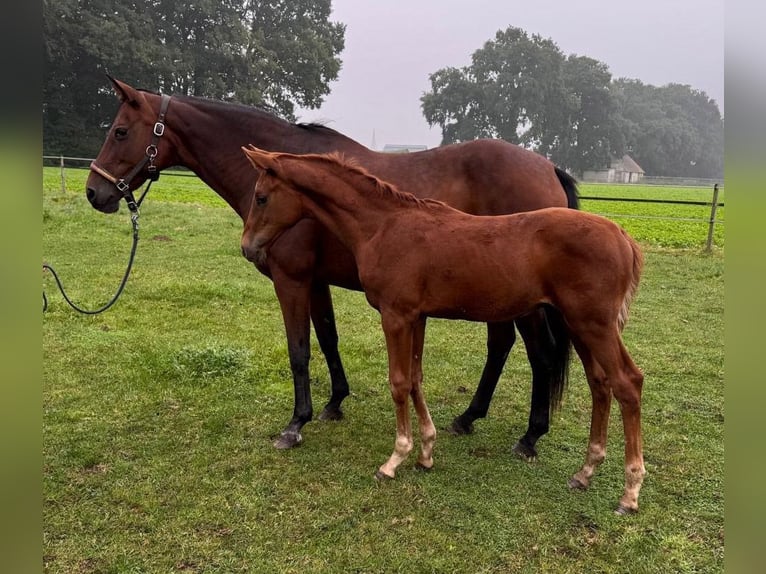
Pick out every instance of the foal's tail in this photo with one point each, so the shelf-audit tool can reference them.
(638, 264)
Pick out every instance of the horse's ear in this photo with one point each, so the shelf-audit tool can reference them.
(261, 159)
(126, 93)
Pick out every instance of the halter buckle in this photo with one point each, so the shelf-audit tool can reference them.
(159, 129)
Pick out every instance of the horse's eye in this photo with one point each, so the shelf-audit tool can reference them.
(261, 200)
(120, 133)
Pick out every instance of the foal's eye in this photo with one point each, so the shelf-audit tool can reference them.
(120, 133)
(260, 200)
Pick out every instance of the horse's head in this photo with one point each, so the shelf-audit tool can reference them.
(275, 206)
(132, 151)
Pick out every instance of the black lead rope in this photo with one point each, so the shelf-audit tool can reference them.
(134, 222)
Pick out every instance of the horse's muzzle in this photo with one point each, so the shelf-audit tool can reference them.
(111, 204)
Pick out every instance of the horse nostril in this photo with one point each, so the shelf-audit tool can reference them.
(90, 193)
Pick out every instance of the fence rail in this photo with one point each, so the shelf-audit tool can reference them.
(64, 163)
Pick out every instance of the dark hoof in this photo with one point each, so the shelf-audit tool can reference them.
(331, 414)
(382, 477)
(288, 440)
(527, 453)
(422, 467)
(459, 428)
(575, 484)
(625, 511)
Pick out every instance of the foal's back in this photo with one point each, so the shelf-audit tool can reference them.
(449, 264)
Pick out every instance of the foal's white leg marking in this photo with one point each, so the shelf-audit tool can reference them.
(427, 429)
(402, 448)
(634, 478)
(593, 458)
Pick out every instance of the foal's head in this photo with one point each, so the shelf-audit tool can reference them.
(275, 205)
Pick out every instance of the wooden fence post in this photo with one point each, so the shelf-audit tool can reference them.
(711, 223)
(63, 176)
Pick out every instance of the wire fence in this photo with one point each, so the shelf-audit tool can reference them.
(65, 162)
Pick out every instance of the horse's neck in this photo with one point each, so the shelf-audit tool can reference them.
(211, 143)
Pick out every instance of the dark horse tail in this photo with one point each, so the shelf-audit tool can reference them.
(560, 343)
(570, 188)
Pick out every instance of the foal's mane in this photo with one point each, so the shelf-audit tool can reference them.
(345, 167)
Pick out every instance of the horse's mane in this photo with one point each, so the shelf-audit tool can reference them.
(350, 166)
(239, 109)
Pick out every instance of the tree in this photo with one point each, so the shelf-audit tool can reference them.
(586, 128)
(671, 130)
(274, 53)
(523, 89)
(506, 92)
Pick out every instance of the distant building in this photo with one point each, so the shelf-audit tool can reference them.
(403, 148)
(622, 170)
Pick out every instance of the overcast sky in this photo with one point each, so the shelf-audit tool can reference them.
(393, 45)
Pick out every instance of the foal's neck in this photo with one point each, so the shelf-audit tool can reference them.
(342, 203)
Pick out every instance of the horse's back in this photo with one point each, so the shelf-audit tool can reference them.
(481, 177)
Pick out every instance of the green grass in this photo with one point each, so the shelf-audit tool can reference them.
(159, 417)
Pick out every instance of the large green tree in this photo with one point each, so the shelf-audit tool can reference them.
(274, 53)
(672, 130)
(523, 89)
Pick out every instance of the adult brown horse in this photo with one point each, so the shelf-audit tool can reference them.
(421, 258)
(151, 132)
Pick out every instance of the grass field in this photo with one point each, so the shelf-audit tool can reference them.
(159, 417)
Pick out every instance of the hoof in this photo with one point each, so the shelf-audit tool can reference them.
(423, 468)
(288, 440)
(331, 414)
(575, 484)
(381, 476)
(625, 511)
(529, 454)
(459, 428)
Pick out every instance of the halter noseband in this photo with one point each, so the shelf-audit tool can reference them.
(123, 184)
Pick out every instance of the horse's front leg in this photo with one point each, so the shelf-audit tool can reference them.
(323, 317)
(399, 340)
(294, 299)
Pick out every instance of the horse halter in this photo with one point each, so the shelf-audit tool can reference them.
(123, 184)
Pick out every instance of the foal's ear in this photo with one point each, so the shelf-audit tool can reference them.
(126, 93)
(260, 159)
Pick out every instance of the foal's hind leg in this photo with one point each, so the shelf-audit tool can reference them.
(601, 396)
(625, 381)
(500, 339)
(323, 317)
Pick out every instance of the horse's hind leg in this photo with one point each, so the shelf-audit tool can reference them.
(323, 317)
(427, 428)
(548, 348)
(500, 339)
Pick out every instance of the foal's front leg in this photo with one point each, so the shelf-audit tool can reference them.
(427, 428)
(399, 343)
